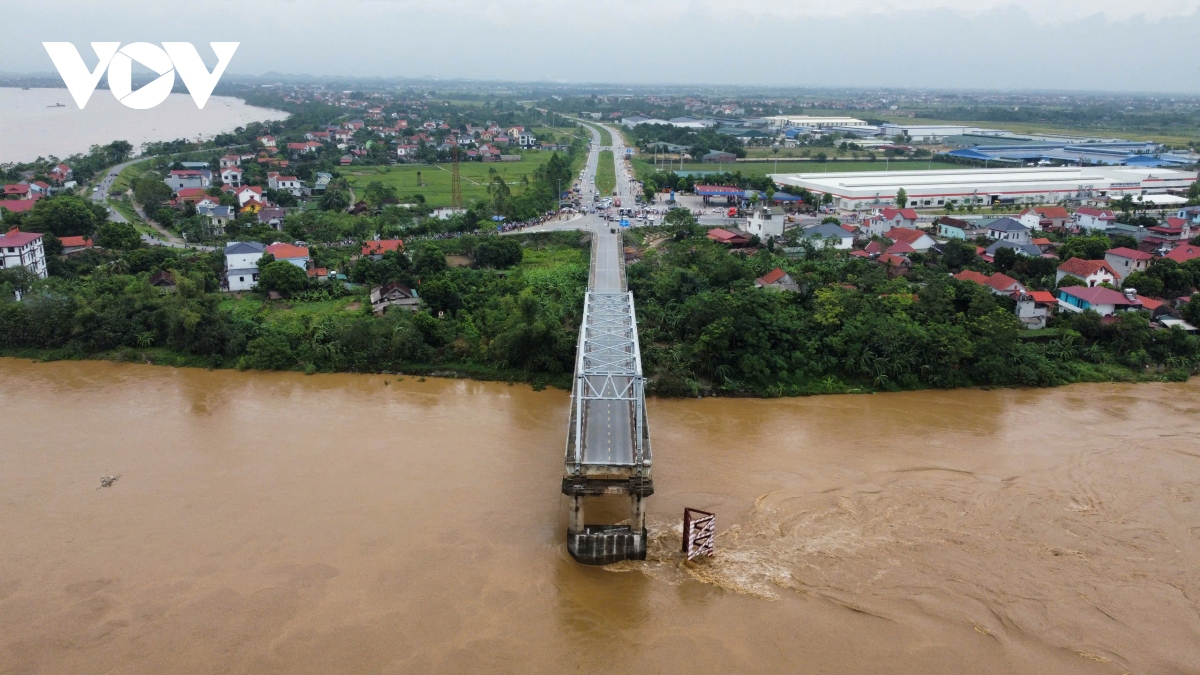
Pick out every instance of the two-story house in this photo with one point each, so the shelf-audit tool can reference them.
(1103, 301)
(241, 264)
(1094, 219)
(23, 249)
(1125, 261)
(1091, 272)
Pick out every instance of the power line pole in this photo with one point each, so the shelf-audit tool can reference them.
(456, 197)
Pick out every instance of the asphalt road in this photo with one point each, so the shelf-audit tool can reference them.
(608, 434)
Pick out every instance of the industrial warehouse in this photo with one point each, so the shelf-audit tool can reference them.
(873, 189)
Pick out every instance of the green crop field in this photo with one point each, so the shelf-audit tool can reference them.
(606, 173)
(643, 167)
(436, 179)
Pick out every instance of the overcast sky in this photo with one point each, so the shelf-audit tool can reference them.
(1148, 45)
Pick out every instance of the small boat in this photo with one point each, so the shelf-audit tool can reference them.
(56, 105)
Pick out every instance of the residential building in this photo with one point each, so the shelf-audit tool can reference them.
(1180, 254)
(1045, 217)
(1090, 218)
(75, 244)
(289, 184)
(728, 237)
(241, 264)
(778, 280)
(188, 178)
(23, 249)
(375, 249)
(218, 217)
(1027, 248)
(998, 284)
(920, 241)
(272, 218)
(1125, 261)
(394, 294)
(954, 228)
(1103, 301)
(1092, 272)
(766, 222)
(230, 160)
(1007, 229)
(61, 173)
(297, 255)
(232, 176)
(892, 217)
(835, 235)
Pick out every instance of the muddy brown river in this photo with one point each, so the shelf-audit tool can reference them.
(277, 523)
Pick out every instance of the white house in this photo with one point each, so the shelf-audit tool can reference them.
(1007, 229)
(1103, 301)
(232, 176)
(899, 218)
(286, 183)
(1092, 272)
(247, 193)
(23, 249)
(842, 240)
(1090, 218)
(181, 179)
(919, 240)
(218, 217)
(231, 160)
(241, 264)
(765, 224)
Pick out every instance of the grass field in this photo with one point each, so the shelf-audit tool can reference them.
(606, 173)
(436, 181)
(605, 134)
(642, 167)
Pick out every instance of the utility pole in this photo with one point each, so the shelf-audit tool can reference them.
(456, 197)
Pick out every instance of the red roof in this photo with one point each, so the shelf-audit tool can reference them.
(904, 234)
(1103, 214)
(1083, 269)
(381, 247)
(860, 254)
(16, 189)
(77, 242)
(907, 214)
(285, 251)
(772, 276)
(1175, 223)
(17, 205)
(893, 260)
(972, 275)
(1042, 241)
(318, 272)
(1180, 254)
(1124, 252)
(1052, 212)
(1150, 303)
(1099, 295)
(725, 236)
(1043, 297)
(189, 193)
(900, 248)
(1003, 282)
(874, 247)
(16, 238)
(849, 228)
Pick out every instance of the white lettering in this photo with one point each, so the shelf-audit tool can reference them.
(118, 61)
(196, 78)
(79, 80)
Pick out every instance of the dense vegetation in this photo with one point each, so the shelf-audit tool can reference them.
(514, 324)
(706, 328)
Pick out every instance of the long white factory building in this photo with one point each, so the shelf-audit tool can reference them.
(872, 189)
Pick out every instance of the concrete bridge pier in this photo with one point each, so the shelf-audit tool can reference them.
(606, 544)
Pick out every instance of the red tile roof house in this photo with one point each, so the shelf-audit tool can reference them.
(17, 205)
(376, 249)
(1092, 272)
(297, 255)
(778, 280)
(76, 244)
(1103, 301)
(727, 237)
(1125, 261)
(1090, 218)
(1180, 254)
(998, 284)
(23, 249)
(17, 191)
(899, 217)
(1176, 231)
(918, 240)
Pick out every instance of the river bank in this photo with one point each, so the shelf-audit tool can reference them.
(270, 522)
(42, 122)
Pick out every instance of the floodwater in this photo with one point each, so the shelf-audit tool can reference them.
(31, 127)
(277, 523)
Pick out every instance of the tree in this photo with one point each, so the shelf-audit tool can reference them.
(428, 260)
(118, 236)
(497, 252)
(1004, 259)
(901, 197)
(62, 216)
(1144, 283)
(377, 194)
(335, 200)
(151, 192)
(1193, 195)
(1087, 248)
(283, 277)
(649, 190)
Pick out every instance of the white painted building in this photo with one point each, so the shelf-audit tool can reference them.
(241, 264)
(290, 184)
(765, 224)
(864, 190)
(784, 121)
(23, 249)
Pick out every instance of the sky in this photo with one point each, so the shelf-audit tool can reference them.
(1092, 45)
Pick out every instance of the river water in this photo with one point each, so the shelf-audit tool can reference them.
(30, 127)
(277, 523)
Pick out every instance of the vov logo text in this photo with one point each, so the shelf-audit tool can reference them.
(171, 58)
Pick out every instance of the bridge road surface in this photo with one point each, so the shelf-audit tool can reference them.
(609, 432)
